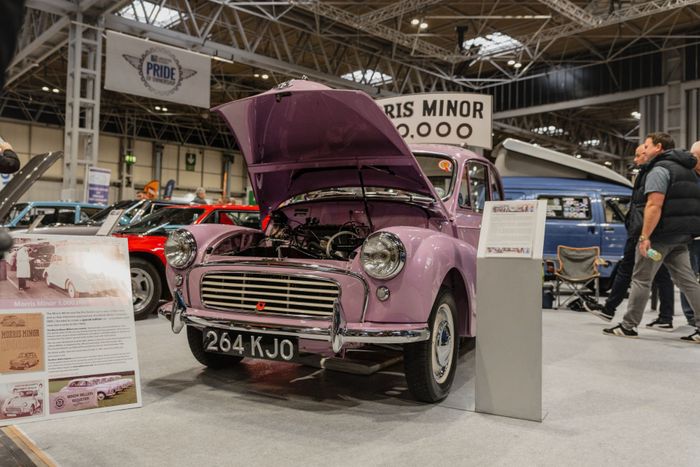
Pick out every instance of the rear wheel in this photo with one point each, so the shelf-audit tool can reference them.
(101, 396)
(146, 287)
(211, 360)
(70, 290)
(430, 365)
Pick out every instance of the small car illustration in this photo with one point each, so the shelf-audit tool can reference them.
(24, 360)
(103, 389)
(12, 320)
(25, 402)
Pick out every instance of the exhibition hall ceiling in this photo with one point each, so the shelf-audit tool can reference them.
(385, 47)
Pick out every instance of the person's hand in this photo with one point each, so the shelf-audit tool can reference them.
(644, 246)
(4, 146)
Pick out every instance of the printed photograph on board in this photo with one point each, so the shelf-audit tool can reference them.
(25, 399)
(64, 272)
(21, 342)
(92, 392)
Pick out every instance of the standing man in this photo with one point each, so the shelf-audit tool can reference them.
(671, 200)
(694, 246)
(200, 196)
(24, 272)
(623, 275)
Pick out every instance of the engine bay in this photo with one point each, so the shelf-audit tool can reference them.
(292, 238)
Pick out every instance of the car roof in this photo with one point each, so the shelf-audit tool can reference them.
(64, 204)
(455, 152)
(211, 207)
(561, 184)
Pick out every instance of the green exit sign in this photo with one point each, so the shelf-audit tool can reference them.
(129, 158)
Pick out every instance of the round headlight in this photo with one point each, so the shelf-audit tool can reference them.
(180, 249)
(383, 255)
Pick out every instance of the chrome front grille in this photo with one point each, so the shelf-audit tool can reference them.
(280, 293)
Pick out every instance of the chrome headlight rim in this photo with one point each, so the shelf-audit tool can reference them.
(184, 239)
(394, 241)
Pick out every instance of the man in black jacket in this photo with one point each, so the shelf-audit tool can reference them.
(623, 274)
(9, 162)
(671, 217)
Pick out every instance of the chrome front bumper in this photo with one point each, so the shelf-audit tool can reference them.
(337, 333)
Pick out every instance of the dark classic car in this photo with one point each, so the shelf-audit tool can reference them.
(369, 241)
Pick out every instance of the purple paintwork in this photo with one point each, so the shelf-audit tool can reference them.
(306, 137)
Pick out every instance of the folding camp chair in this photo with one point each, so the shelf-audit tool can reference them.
(578, 268)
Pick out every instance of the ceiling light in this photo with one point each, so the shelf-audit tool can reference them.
(578, 156)
(157, 107)
(45, 88)
(511, 62)
(164, 109)
(415, 22)
(608, 163)
(517, 65)
(221, 59)
(265, 76)
(256, 75)
(636, 115)
(423, 25)
(55, 90)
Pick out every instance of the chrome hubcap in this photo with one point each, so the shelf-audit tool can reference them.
(443, 343)
(141, 288)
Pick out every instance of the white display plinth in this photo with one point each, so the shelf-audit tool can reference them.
(509, 310)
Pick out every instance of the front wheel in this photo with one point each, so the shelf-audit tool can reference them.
(70, 289)
(430, 365)
(211, 360)
(146, 287)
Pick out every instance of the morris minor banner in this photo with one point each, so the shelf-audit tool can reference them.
(158, 71)
(442, 118)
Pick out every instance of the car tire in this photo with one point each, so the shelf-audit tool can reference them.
(101, 396)
(46, 278)
(430, 365)
(70, 290)
(32, 410)
(146, 287)
(208, 359)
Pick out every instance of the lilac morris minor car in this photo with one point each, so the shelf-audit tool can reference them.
(369, 241)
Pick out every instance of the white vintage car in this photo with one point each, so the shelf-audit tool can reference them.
(68, 272)
(103, 390)
(25, 402)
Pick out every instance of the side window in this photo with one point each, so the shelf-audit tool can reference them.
(568, 207)
(616, 208)
(474, 189)
(65, 216)
(212, 218)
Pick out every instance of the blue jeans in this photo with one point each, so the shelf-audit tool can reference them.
(695, 263)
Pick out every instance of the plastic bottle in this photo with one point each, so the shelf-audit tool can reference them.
(653, 254)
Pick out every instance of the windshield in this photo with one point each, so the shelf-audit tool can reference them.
(101, 215)
(160, 222)
(440, 170)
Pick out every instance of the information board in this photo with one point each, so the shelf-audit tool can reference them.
(512, 229)
(67, 335)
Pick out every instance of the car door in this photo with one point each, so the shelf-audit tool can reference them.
(614, 235)
(474, 191)
(570, 221)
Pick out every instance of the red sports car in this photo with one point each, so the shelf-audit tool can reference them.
(147, 240)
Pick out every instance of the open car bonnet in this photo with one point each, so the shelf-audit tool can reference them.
(24, 179)
(303, 136)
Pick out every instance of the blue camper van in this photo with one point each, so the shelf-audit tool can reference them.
(586, 202)
(580, 213)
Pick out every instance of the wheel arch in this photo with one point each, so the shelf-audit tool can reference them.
(456, 283)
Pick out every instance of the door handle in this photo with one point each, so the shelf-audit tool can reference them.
(608, 229)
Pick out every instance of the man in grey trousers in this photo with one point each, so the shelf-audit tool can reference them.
(671, 217)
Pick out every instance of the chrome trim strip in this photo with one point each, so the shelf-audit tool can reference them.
(281, 264)
(320, 334)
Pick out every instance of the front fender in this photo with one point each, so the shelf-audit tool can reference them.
(430, 256)
(208, 237)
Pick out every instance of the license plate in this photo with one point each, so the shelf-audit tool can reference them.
(247, 344)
